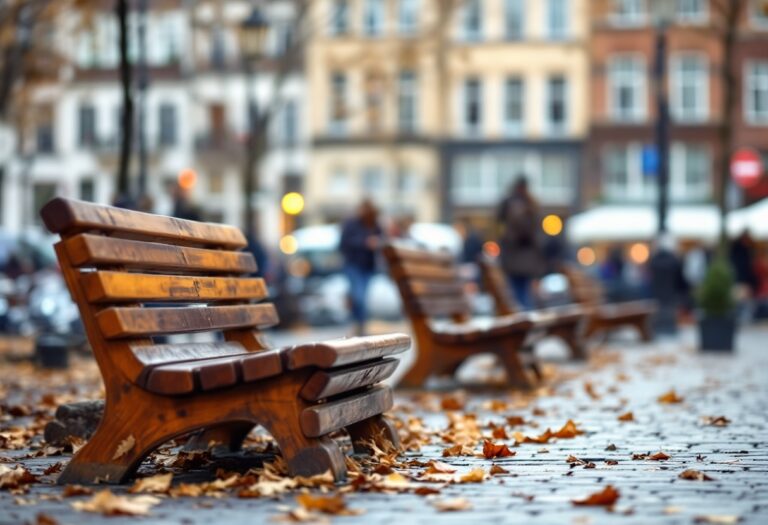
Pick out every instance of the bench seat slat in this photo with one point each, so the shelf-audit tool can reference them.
(412, 270)
(480, 329)
(121, 322)
(169, 353)
(420, 255)
(67, 216)
(107, 286)
(321, 419)
(327, 383)
(338, 352)
(210, 374)
(90, 249)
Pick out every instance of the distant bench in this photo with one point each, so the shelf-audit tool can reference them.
(117, 261)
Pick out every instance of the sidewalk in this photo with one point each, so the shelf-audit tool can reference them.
(540, 483)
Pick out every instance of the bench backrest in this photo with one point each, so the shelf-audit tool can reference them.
(119, 264)
(584, 289)
(429, 283)
(496, 284)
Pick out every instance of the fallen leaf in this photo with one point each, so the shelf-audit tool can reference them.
(124, 447)
(694, 475)
(458, 450)
(658, 456)
(718, 519)
(76, 490)
(109, 504)
(515, 421)
(628, 416)
(44, 519)
(451, 403)
(476, 475)
(590, 390)
(712, 421)
(333, 504)
(492, 450)
(426, 491)
(568, 431)
(496, 469)
(158, 484)
(438, 467)
(606, 497)
(670, 397)
(452, 505)
(13, 478)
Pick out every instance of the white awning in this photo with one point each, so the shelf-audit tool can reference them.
(626, 223)
(753, 218)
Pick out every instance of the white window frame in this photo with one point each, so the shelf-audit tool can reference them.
(757, 19)
(408, 101)
(559, 128)
(408, 17)
(516, 7)
(700, 83)
(639, 187)
(374, 18)
(338, 126)
(339, 183)
(557, 32)
(636, 18)
(513, 127)
(381, 176)
(680, 156)
(698, 17)
(471, 130)
(337, 14)
(753, 80)
(638, 83)
(466, 16)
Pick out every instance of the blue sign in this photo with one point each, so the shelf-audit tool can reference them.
(650, 160)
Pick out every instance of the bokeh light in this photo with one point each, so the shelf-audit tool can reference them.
(293, 203)
(491, 249)
(639, 253)
(552, 225)
(586, 256)
(187, 179)
(289, 245)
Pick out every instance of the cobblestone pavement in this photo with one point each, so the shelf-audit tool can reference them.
(541, 483)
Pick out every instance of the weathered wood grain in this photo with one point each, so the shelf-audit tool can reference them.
(339, 352)
(319, 420)
(327, 383)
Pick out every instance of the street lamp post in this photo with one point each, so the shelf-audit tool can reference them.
(253, 33)
(664, 16)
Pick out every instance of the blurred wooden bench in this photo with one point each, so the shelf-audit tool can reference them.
(564, 322)
(116, 263)
(605, 317)
(446, 333)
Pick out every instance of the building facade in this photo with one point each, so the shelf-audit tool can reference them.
(435, 107)
(195, 116)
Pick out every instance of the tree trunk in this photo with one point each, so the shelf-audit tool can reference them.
(126, 138)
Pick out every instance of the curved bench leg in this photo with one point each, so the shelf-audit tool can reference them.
(644, 327)
(576, 344)
(376, 429)
(420, 370)
(516, 374)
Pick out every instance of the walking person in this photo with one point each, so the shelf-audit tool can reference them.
(522, 256)
(360, 238)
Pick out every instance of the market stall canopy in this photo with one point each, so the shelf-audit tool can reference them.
(624, 223)
(753, 218)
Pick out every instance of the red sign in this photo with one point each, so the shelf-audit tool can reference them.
(746, 167)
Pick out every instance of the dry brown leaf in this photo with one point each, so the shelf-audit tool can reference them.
(694, 475)
(452, 505)
(109, 504)
(333, 504)
(13, 478)
(159, 484)
(514, 421)
(476, 475)
(124, 447)
(606, 497)
(717, 519)
(44, 519)
(568, 431)
(492, 450)
(670, 397)
(712, 421)
(76, 490)
(458, 450)
(426, 491)
(658, 456)
(496, 469)
(438, 467)
(451, 403)
(628, 416)
(590, 390)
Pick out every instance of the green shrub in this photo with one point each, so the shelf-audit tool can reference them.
(715, 295)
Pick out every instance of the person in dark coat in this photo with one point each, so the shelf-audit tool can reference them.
(743, 261)
(360, 238)
(522, 255)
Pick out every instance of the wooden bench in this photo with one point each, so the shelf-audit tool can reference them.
(117, 263)
(564, 322)
(446, 333)
(605, 317)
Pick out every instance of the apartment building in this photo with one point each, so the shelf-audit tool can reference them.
(623, 109)
(196, 115)
(434, 107)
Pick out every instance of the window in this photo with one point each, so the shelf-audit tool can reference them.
(472, 20)
(42, 192)
(629, 12)
(758, 15)
(373, 17)
(690, 172)
(689, 88)
(556, 104)
(557, 19)
(87, 189)
(338, 107)
(87, 125)
(218, 48)
(289, 129)
(340, 17)
(692, 11)
(408, 17)
(373, 180)
(407, 181)
(168, 128)
(407, 102)
(556, 180)
(514, 103)
(756, 97)
(374, 101)
(626, 88)
(514, 19)
(473, 106)
(339, 182)
(624, 179)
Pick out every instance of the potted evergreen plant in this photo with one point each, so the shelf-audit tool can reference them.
(717, 320)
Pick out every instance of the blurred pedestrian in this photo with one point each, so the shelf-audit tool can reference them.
(471, 241)
(521, 252)
(668, 284)
(612, 274)
(361, 236)
(743, 258)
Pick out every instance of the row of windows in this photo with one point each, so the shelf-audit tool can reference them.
(374, 180)
(471, 19)
(634, 13)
